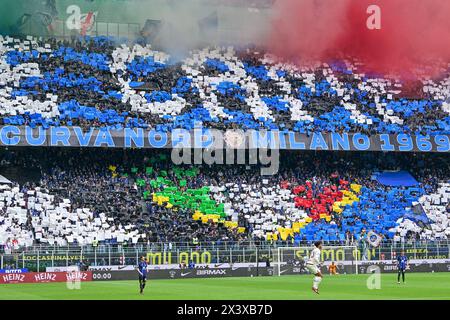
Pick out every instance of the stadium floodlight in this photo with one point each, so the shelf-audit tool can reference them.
(292, 260)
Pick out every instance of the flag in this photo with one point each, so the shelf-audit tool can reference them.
(373, 238)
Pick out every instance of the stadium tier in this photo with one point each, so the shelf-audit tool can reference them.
(170, 149)
(85, 196)
(95, 82)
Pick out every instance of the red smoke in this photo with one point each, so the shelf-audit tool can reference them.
(412, 33)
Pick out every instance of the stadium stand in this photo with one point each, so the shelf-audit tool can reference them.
(82, 196)
(95, 82)
(112, 197)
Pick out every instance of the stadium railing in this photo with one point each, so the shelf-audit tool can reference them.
(38, 257)
(126, 30)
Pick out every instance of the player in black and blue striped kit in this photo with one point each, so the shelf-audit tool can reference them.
(402, 262)
(142, 269)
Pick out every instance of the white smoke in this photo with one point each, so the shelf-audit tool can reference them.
(221, 24)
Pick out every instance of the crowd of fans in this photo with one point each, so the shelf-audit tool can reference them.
(95, 82)
(112, 196)
(87, 196)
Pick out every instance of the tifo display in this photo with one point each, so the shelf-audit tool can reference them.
(218, 149)
(106, 197)
(97, 83)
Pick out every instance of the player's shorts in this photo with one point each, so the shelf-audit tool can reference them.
(142, 277)
(312, 268)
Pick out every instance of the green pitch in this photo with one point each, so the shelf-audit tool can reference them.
(342, 287)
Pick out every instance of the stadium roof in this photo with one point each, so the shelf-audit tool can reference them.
(4, 180)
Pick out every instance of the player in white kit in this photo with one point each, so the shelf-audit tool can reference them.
(313, 265)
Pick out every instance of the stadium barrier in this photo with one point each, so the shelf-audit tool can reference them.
(252, 271)
(363, 267)
(39, 258)
(183, 273)
(24, 270)
(45, 277)
(413, 266)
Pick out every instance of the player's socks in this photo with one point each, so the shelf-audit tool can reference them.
(316, 282)
(319, 280)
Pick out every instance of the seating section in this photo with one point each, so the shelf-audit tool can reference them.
(437, 209)
(34, 215)
(80, 198)
(94, 82)
(86, 196)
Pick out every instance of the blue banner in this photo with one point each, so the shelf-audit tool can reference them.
(209, 138)
(24, 270)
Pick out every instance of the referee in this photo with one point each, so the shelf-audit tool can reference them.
(402, 262)
(142, 269)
